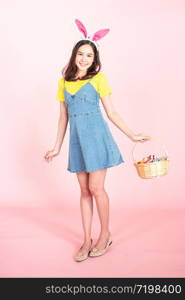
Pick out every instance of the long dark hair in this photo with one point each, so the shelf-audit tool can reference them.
(69, 73)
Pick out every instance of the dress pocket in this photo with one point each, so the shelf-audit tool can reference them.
(88, 99)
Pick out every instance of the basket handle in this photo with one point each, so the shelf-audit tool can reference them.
(152, 138)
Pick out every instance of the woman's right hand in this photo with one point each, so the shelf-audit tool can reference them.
(50, 154)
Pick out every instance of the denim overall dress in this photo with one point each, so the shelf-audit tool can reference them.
(91, 145)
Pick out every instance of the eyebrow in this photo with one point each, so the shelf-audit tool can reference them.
(87, 53)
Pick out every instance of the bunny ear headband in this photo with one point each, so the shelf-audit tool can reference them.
(97, 35)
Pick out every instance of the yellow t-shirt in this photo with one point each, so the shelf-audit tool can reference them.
(99, 81)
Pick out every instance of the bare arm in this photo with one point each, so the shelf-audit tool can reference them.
(116, 119)
(62, 125)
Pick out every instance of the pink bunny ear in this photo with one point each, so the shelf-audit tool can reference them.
(81, 27)
(99, 34)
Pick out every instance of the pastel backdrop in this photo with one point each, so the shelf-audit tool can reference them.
(143, 58)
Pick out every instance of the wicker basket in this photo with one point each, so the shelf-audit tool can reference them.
(154, 169)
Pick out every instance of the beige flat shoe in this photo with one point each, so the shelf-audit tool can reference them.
(81, 257)
(97, 252)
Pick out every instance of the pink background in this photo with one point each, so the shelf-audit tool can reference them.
(143, 58)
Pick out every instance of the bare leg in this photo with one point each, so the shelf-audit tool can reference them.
(96, 186)
(86, 206)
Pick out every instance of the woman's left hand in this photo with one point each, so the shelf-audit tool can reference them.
(140, 138)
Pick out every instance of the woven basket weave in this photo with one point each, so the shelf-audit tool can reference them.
(151, 169)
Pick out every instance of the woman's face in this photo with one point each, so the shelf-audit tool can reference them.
(84, 57)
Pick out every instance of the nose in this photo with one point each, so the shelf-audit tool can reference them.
(84, 58)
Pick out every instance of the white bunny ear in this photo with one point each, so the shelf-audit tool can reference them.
(81, 27)
(99, 34)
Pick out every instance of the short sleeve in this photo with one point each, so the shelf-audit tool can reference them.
(60, 91)
(103, 86)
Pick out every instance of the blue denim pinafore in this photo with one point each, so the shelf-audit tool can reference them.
(91, 145)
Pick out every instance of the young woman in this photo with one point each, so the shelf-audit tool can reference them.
(92, 148)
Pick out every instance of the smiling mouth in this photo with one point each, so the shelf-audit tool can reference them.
(83, 65)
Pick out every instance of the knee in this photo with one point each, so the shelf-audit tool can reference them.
(96, 190)
(85, 192)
